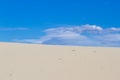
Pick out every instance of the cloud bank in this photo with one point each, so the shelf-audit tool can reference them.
(84, 35)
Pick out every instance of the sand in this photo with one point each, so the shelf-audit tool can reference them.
(50, 62)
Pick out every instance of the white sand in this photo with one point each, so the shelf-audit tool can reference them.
(43, 62)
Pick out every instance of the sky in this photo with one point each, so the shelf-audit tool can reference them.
(61, 22)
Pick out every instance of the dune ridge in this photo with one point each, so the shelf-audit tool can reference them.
(20, 61)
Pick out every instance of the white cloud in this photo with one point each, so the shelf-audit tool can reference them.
(92, 27)
(84, 35)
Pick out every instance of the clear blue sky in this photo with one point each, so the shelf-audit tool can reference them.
(34, 13)
(38, 15)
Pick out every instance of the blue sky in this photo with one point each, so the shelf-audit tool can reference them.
(31, 21)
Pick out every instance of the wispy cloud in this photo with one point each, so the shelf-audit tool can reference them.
(84, 35)
(13, 29)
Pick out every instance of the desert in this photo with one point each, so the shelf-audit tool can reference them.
(20, 61)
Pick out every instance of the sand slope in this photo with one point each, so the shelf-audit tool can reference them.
(43, 62)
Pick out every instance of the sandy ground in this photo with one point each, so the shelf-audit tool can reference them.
(47, 62)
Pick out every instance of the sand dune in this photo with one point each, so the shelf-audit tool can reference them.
(47, 62)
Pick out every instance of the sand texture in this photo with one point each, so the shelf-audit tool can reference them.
(47, 62)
